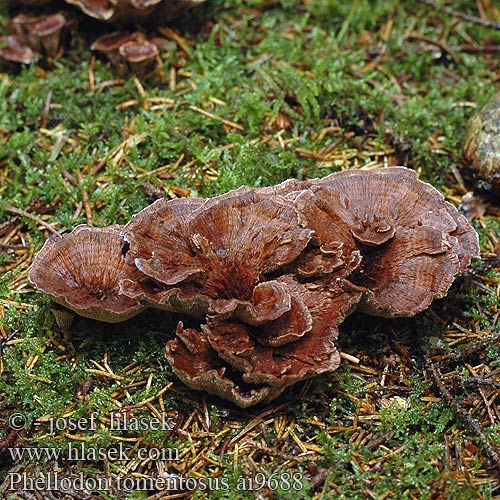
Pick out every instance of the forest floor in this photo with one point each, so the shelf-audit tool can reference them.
(249, 93)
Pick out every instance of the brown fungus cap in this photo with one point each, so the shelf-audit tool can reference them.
(223, 249)
(140, 55)
(311, 353)
(113, 41)
(123, 48)
(47, 30)
(195, 362)
(82, 271)
(413, 243)
(41, 33)
(239, 358)
(110, 43)
(482, 149)
(122, 11)
(140, 233)
(14, 50)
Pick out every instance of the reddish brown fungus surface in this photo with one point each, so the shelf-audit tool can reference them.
(411, 241)
(195, 362)
(33, 35)
(13, 49)
(82, 271)
(114, 11)
(270, 273)
(143, 234)
(223, 249)
(268, 358)
(334, 250)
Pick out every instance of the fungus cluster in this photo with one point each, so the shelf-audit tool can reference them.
(269, 273)
(128, 49)
(31, 36)
(119, 11)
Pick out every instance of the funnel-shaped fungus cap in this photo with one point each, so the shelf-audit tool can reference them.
(47, 25)
(224, 248)
(99, 9)
(140, 55)
(110, 44)
(40, 32)
(114, 11)
(327, 302)
(13, 49)
(47, 30)
(333, 250)
(170, 215)
(239, 358)
(113, 41)
(197, 365)
(82, 271)
(482, 148)
(374, 203)
(413, 243)
(138, 52)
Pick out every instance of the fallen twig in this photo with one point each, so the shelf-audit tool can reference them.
(460, 15)
(23, 213)
(471, 423)
(443, 46)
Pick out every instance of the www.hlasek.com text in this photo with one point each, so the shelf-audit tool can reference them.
(80, 451)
